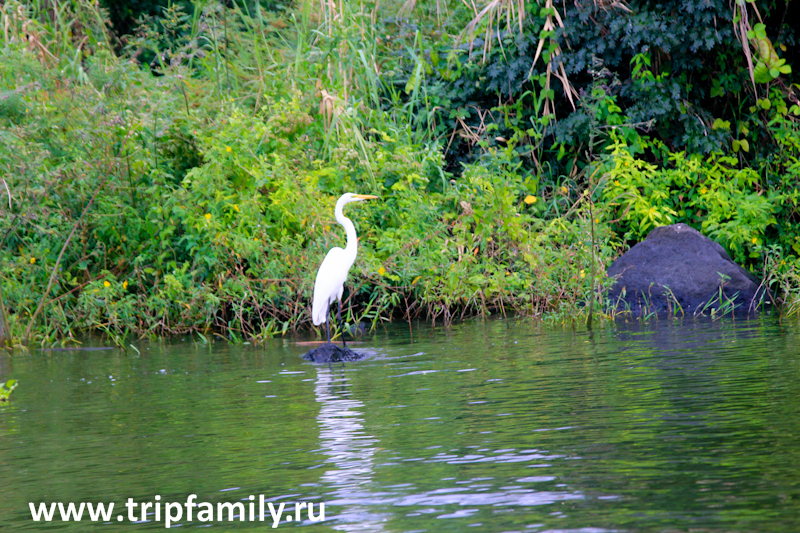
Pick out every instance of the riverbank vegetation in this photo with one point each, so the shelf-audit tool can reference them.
(174, 169)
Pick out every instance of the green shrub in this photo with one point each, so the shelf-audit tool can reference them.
(710, 193)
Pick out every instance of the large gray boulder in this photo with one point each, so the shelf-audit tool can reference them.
(680, 259)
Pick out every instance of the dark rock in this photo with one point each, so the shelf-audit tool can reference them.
(680, 260)
(332, 353)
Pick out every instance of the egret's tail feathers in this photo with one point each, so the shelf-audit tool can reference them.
(319, 314)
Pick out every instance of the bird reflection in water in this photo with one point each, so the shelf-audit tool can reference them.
(350, 452)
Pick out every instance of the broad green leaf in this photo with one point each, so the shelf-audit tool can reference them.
(720, 124)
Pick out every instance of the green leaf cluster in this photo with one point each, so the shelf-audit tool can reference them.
(7, 388)
(710, 193)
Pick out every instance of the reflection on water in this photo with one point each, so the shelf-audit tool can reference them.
(351, 454)
(489, 426)
(349, 467)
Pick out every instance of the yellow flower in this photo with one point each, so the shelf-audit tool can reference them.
(236, 207)
(208, 216)
(530, 199)
(106, 284)
(125, 284)
(33, 260)
(616, 182)
(597, 221)
(381, 271)
(228, 149)
(755, 240)
(703, 190)
(327, 228)
(564, 189)
(583, 274)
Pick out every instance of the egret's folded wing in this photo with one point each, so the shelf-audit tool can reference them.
(329, 284)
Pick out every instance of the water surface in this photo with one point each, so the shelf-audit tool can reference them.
(489, 426)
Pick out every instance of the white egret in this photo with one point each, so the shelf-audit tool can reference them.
(332, 273)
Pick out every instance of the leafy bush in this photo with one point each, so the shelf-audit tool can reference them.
(710, 193)
(673, 70)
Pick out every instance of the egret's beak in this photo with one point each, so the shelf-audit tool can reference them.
(365, 197)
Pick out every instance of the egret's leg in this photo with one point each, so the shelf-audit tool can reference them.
(340, 323)
(328, 327)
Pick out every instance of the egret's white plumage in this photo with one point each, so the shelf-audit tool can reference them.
(334, 268)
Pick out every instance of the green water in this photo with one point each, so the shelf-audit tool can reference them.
(490, 426)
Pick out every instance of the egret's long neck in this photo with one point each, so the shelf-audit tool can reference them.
(352, 239)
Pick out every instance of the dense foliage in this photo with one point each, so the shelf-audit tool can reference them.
(182, 178)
